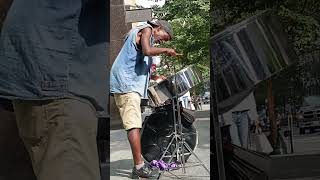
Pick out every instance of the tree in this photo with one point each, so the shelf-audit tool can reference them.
(301, 20)
(190, 22)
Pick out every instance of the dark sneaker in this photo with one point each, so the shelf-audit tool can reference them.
(145, 172)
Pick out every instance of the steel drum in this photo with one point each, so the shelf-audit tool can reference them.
(247, 53)
(157, 131)
(187, 78)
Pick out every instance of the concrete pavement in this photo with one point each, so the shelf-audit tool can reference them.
(121, 158)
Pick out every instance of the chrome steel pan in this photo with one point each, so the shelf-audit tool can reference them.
(186, 78)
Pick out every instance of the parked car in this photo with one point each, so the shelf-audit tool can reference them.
(309, 114)
(206, 98)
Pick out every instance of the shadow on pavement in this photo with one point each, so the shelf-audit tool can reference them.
(203, 129)
(121, 168)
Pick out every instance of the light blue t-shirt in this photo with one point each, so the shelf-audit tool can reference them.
(48, 51)
(130, 71)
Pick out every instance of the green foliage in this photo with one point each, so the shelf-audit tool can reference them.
(300, 18)
(190, 22)
(195, 21)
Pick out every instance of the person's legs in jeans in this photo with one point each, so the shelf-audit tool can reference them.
(60, 136)
(234, 132)
(244, 129)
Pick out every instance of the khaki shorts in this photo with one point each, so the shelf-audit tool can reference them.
(60, 137)
(129, 108)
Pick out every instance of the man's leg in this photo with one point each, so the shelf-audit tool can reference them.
(130, 112)
(244, 129)
(15, 163)
(134, 140)
(234, 132)
(60, 136)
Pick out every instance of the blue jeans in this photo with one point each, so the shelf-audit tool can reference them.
(239, 129)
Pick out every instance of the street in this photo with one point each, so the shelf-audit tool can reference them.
(305, 143)
(302, 143)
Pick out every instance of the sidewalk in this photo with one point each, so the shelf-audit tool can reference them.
(204, 113)
(121, 158)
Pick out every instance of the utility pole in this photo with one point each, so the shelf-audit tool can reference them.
(216, 149)
(272, 119)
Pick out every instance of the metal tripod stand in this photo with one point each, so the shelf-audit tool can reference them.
(181, 146)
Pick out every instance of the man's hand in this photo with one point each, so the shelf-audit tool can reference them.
(171, 52)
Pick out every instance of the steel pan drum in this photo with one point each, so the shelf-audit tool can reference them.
(187, 78)
(247, 53)
(158, 129)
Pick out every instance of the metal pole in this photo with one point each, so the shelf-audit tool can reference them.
(291, 130)
(214, 117)
(292, 111)
(272, 118)
(291, 134)
(179, 120)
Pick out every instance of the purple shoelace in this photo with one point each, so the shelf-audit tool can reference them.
(163, 165)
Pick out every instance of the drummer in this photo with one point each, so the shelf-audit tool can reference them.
(129, 81)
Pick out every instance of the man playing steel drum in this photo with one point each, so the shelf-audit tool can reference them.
(129, 81)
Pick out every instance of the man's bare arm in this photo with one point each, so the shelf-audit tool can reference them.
(153, 51)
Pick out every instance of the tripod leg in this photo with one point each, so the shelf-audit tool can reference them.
(160, 174)
(167, 148)
(190, 150)
(175, 150)
(182, 155)
(175, 119)
(175, 175)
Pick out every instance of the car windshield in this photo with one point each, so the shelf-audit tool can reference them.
(311, 101)
(206, 94)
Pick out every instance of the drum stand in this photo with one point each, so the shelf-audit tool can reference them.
(181, 145)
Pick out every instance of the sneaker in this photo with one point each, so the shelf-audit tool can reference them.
(145, 172)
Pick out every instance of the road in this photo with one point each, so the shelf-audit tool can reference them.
(306, 143)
